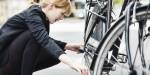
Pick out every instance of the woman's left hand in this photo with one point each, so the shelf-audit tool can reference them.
(73, 46)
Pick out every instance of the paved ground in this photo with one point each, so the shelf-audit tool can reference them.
(62, 69)
(69, 30)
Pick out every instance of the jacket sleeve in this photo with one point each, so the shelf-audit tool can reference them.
(60, 44)
(38, 30)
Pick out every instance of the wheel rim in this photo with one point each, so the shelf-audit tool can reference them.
(124, 68)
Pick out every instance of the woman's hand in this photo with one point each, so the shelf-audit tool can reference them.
(73, 46)
(83, 70)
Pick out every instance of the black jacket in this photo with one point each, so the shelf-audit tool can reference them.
(34, 20)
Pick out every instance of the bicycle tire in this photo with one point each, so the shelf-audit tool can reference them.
(113, 33)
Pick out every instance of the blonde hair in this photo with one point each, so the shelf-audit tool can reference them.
(33, 1)
(63, 4)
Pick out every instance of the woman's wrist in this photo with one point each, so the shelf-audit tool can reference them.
(65, 59)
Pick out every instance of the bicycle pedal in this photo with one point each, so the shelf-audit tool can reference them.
(122, 58)
(105, 73)
(108, 67)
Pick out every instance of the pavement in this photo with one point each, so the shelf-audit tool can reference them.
(62, 69)
(69, 30)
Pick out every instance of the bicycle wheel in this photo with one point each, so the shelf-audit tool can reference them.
(105, 49)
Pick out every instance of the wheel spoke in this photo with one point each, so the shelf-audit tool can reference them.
(135, 55)
(116, 46)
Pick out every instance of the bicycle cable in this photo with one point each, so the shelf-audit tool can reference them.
(100, 16)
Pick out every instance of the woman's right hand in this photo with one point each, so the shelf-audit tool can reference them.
(83, 70)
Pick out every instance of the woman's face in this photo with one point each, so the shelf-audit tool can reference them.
(54, 14)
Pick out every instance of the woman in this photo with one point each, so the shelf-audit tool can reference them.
(25, 45)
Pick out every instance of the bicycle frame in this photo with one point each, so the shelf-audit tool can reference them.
(106, 19)
(127, 5)
(133, 6)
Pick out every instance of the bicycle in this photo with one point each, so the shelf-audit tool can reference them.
(96, 25)
(104, 64)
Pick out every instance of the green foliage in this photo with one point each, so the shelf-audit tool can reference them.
(117, 2)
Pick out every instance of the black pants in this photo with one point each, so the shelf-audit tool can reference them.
(26, 56)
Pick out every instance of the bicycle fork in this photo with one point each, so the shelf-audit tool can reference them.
(134, 20)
